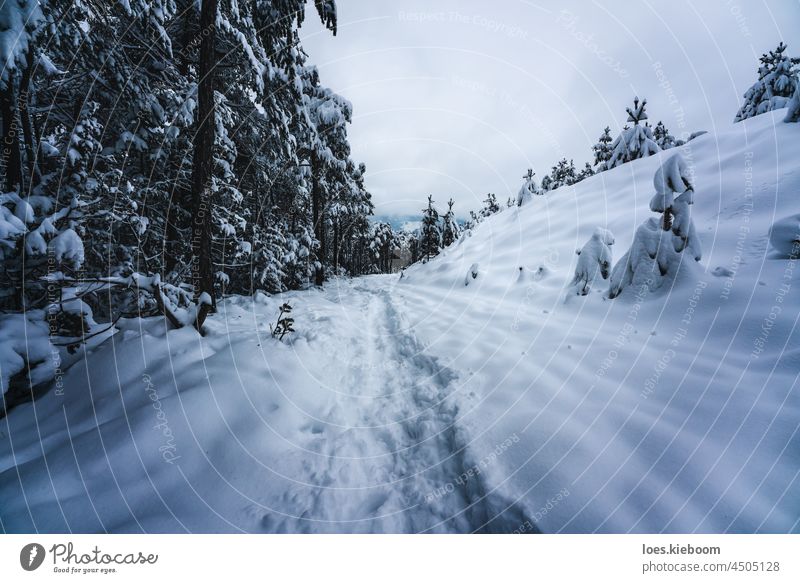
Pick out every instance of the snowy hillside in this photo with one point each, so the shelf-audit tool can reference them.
(676, 411)
(443, 402)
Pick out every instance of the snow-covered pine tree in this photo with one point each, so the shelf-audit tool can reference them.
(147, 124)
(383, 246)
(602, 150)
(633, 142)
(793, 113)
(662, 137)
(777, 76)
(414, 246)
(563, 174)
(21, 23)
(490, 206)
(450, 229)
(656, 254)
(473, 220)
(529, 188)
(430, 239)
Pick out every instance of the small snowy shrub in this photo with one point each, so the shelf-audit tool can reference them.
(284, 324)
(658, 245)
(593, 258)
(529, 188)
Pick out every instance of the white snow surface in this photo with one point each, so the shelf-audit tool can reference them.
(419, 404)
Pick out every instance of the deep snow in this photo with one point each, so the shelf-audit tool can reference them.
(421, 404)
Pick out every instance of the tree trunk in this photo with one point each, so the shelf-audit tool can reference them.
(10, 146)
(180, 195)
(203, 166)
(336, 246)
(175, 222)
(667, 224)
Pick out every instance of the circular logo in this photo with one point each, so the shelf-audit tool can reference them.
(31, 556)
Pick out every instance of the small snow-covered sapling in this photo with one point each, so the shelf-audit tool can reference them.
(284, 324)
(674, 194)
(655, 255)
(471, 274)
(595, 256)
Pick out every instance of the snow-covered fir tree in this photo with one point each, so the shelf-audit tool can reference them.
(430, 237)
(602, 150)
(450, 229)
(662, 137)
(490, 206)
(123, 126)
(383, 247)
(563, 174)
(660, 244)
(777, 77)
(793, 113)
(635, 141)
(585, 173)
(529, 188)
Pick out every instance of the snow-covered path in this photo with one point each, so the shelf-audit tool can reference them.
(350, 427)
(389, 455)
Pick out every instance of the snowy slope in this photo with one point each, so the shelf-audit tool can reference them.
(423, 404)
(675, 412)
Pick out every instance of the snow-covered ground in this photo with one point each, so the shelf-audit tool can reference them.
(423, 404)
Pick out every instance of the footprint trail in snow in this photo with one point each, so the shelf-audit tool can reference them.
(389, 456)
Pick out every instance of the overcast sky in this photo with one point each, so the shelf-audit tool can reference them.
(458, 98)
